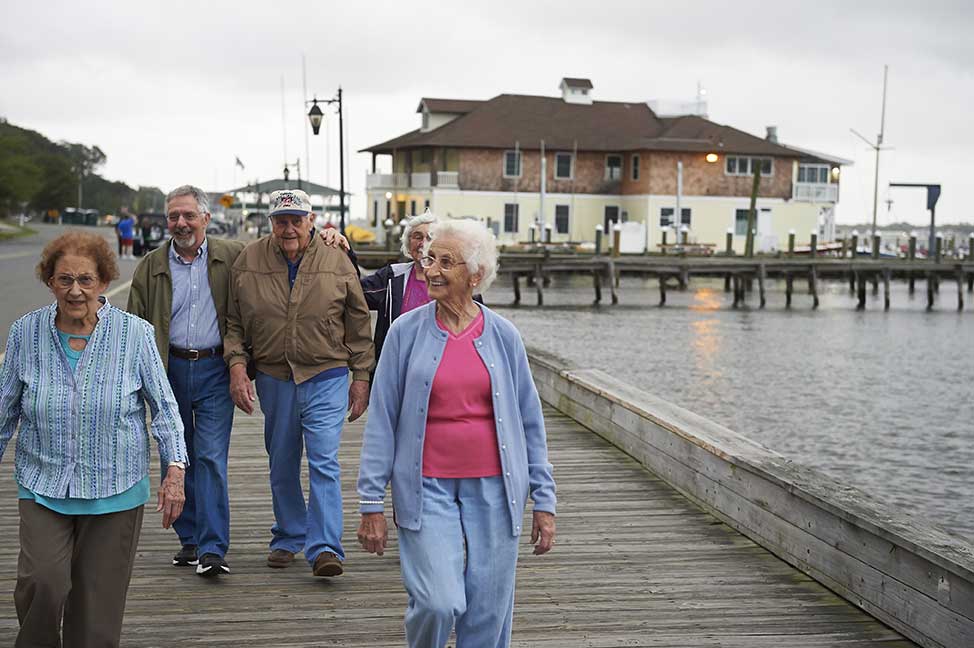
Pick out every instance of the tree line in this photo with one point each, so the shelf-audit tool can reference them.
(38, 175)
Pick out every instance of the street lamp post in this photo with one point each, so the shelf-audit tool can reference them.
(315, 116)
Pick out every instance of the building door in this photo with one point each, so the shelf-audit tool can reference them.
(611, 218)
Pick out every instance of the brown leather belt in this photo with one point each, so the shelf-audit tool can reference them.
(196, 354)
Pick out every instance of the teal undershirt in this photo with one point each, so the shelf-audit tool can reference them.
(129, 499)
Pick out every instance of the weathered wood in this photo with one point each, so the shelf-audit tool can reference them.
(912, 577)
(662, 290)
(861, 291)
(886, 281)
(813, 286)
(930, 291)
(789, 286)
(516, 280)
(762, 274)
(539, 284)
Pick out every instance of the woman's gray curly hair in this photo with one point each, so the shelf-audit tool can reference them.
(478, 245)
(410, 224)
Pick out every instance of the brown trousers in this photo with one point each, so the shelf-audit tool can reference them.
(76, 568)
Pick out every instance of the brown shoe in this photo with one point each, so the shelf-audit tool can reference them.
(328, 564)
(279, 558)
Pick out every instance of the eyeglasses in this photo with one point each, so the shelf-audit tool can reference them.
(188, 216)
(67, 281)
(446, 263)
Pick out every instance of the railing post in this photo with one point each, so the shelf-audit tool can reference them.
(970, 247)
(663, 242)
(875, 250)
(912, 255)
(532, 230)
(813, 244)
(791, 242)
(940, 247)
(616, 236)
(598, 239)
(855, 243)
(389, 224)
(729, 242)
(547, 233)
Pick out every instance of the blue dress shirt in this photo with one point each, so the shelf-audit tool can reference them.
(193, 323)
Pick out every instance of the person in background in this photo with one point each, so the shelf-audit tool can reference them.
(182, 289)
(456, 426)
(296, 308)
(75, 378)
(126, 235)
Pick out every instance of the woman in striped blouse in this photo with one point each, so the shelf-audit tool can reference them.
(75, 378)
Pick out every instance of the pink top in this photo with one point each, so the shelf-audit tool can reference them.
(461, 440)
(416, 293)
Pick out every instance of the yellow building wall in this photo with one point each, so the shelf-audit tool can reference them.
(710, 217)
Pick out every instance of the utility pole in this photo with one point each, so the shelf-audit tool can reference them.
(877, 147)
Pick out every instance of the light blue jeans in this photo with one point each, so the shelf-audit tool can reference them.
(474, 592)
(297, 416)
(202, 390)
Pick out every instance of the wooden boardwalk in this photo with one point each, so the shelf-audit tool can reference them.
(634, 565)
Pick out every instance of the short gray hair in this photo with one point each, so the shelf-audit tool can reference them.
(412, 223)
(202, 200)
(477, 243)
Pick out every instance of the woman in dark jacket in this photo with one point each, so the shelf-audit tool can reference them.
(399, 287)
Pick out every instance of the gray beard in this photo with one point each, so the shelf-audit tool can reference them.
(184, 243)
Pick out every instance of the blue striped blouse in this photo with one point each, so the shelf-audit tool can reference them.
(83, 432)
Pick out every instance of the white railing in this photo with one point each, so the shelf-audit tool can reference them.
(815, 192)
(387, 180)
(422, 180)
(447, 178)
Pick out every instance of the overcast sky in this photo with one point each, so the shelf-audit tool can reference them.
(173, 91)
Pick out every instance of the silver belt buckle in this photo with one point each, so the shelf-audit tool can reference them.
(194, 354)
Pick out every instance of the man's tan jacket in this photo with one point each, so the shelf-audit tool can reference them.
(150, 296)
(295, 333)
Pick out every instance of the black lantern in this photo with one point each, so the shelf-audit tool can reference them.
(315, 116)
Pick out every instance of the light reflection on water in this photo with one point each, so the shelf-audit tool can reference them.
(881, 400)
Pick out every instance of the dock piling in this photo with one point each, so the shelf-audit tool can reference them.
(930, 291)
(662, 290)
(912, 255)
(887, 275)
(539, 284)
(762, 275)
(517, 288)
(813, 286)
(860, 290)
(960, 289)
(611, 269)
(597, 284)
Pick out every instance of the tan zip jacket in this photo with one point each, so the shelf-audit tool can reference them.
(296, 333)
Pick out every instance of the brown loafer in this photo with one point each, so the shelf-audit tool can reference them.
(279, 558)
(328, 564)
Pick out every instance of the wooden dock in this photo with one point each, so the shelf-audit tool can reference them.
(635, 564)
(741, 275)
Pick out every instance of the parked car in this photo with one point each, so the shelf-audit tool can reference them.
(150, 233)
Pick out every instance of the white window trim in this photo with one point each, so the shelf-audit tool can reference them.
(520, 163)
(622, 162)
(749, 173)
(569, 208)
(634, 171)
(571, 166)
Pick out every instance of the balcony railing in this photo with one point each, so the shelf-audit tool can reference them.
(423, 180)
(815, 192)
(447, 179)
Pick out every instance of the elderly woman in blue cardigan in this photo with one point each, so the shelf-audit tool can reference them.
(76, 377)
(456, 426)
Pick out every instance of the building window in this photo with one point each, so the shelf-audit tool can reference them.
(510, 217)
(635, 167)
(740, 222)
(561, 219)
(813, 173)
(742, 166)
(666, 216)
(426, 205)
(564, 166)
(412, 207)
(512, 164)
(613, 167)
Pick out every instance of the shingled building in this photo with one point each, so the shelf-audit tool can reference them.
(604, 162)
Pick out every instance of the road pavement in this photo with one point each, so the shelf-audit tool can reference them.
(20, 289)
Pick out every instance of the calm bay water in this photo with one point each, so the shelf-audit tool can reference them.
(880, 400)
